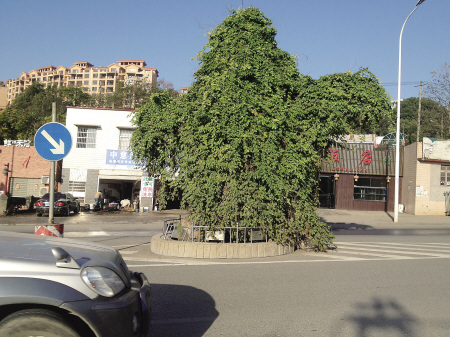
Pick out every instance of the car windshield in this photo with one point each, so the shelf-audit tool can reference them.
(58, 196)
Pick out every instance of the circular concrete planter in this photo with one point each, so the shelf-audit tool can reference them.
(207, 250)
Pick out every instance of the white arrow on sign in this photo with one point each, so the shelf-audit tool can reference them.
(59, 148)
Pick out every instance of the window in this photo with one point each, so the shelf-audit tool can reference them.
(125, 138)
(95, 75)
(86, 82)
(445, 175)
(86, 75)
(94, 82)
(61, 72)
(86, 137)
(77, 186)
(373, 189)
(94, 88)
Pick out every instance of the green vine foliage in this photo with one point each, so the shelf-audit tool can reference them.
(243, 145)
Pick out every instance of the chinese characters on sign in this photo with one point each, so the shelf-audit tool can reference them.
(119, 157)
(146, 187)
(334, 154)
(360, 158)
(18, 143)
(367, 157)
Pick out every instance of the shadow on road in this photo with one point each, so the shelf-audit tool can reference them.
(381, 317)
(181, 311)
(345, 225)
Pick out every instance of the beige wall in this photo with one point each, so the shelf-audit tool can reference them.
(409, 177)
(422, 193)
(3, 98)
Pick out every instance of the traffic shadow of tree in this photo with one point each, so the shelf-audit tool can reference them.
(181, 311)
(343, 225)
(382, 318)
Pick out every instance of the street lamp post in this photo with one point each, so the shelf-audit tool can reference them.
(397, 137)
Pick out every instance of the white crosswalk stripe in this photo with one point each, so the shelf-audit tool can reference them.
(354, 251)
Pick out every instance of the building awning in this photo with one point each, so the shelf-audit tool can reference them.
(88, 126)
(119, 177)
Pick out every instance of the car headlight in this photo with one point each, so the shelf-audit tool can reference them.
(102, 280)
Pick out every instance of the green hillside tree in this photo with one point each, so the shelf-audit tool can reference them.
(243, 145)
(33, 108)
(434, 119)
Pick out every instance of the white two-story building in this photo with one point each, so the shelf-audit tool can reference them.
(100, 159)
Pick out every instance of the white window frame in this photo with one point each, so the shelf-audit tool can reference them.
(125, 138)
(86, 137)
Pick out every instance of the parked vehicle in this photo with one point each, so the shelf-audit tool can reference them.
(59, 287)
(64, 204)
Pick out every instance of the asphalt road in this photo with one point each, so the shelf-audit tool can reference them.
(394, 284)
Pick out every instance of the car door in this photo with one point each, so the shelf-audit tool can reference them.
(71, 202)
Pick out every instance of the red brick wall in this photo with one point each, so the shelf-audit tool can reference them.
(24, 162)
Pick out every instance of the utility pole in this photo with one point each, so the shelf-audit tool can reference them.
(418, 114)
(52, 178)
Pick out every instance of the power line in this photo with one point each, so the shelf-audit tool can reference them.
(389, 84)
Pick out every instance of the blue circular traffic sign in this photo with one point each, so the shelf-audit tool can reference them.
(53, 141)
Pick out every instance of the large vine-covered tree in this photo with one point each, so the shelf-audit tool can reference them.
(244, 144)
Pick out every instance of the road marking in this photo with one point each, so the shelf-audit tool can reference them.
(109, 234)
(375, 247)
(346, 252)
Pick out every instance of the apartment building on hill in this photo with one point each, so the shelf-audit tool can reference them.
(93, 80)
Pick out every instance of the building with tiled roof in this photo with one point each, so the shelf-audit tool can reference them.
(93, 80)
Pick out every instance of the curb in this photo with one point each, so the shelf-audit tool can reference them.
(204, 250)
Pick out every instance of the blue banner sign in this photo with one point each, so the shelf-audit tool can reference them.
(119, 157)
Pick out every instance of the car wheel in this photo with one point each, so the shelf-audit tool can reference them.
(68, 210)
(39, 214)
(36, 322)
(77, 210)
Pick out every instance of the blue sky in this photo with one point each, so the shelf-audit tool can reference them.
(327, 35)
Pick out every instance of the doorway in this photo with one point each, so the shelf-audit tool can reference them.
(326, 192)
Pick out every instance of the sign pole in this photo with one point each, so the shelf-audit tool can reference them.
(52, 177)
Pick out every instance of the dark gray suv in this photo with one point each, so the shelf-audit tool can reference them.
(58, 287)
